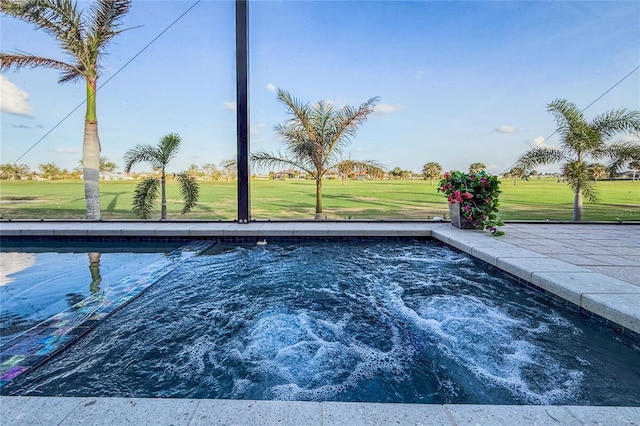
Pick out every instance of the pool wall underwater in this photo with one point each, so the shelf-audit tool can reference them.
(492, 250)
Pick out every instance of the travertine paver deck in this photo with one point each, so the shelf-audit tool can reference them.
(154, 411)
(594, 266)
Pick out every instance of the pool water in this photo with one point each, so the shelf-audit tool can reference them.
(36, 284)
(415, 322)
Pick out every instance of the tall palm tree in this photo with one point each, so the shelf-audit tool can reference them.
(146, 191)
(431, 171)
(314, 137)
(84, 38)
(581, 140)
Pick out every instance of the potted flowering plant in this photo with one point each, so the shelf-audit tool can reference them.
(473, 200)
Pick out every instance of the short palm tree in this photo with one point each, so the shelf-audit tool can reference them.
(349, 167)
(431, 171)
(146, 191)
(314, 137)
(85, 41)
(581, 140)
(476, 167)
(517, 173)
(597, 170)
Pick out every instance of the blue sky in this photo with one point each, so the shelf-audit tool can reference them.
(459, 82)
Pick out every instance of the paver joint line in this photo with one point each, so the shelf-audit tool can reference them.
(449, 415)
(193, 413)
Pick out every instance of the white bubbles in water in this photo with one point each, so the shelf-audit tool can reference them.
(491, 343)
(193, 357)
(300, 356)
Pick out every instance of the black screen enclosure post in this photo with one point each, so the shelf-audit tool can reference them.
(242, 111)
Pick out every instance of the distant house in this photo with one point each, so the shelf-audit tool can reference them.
(116, 176)
(628, 174)
(290, 174)
(361, 175)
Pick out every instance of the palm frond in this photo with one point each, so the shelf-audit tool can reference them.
(621, 153)
(17, 61)
(617, 121)
(83, 41)
(106, 17)
(189, 189)
(566, 114)
(349, 118)
(541, 156)
(298, 109)
(168, 147)
(141, 153)
(55, 17)
(264, 160)
(144, 197)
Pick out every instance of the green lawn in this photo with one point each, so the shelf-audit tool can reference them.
(534, 199)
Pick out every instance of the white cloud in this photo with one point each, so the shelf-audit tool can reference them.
(13, 99)
(419, 75)
(271, 87)
(231, 105)
(66, 151)
(386, 108)
(506, 129)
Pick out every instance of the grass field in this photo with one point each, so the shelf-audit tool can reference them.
(536, 199)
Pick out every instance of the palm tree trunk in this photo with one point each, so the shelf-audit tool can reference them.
(91, 169)
(91, 156)
(577, 206)
(163, 209)
(318, 215)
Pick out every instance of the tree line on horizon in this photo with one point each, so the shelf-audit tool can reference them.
(315, 134)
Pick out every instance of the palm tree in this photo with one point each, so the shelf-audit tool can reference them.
(476, 167)
(230, 168)
(431, 171)
(147, 191)
(517, 173)
(314, 137)
(597, 170)
(12, 171)
(347, 168)
(581, 140)
(85, 41)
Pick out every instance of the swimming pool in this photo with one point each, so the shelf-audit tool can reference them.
(38, 282)
(369, 321)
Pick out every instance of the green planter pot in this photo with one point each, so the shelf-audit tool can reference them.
(457, 220)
